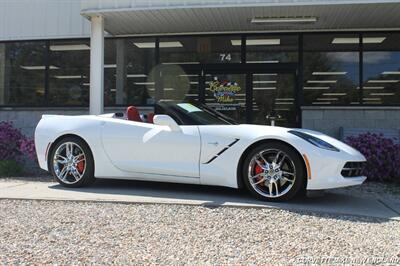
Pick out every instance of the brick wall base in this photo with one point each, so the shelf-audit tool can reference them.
(329, 119)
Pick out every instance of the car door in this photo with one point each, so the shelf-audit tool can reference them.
(215, 139)
(153, 149)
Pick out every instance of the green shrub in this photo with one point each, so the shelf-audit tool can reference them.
(10, 168)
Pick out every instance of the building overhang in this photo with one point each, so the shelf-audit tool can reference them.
(201, 17)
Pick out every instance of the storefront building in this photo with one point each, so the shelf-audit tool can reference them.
(322, 65)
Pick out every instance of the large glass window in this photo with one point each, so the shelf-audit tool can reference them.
(129, 71)
(331, 65)
(272, 49)
(177, 56)
(204, 49)
(178, 84)
(331, 69)
(69, 69)
(22, 73)
(381, 79)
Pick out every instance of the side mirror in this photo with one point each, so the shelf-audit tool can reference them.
(166, 120)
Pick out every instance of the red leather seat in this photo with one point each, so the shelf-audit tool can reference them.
(150, 117)
(132, 114)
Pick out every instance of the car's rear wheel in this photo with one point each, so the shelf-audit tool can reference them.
(274, 171)
(71, 162)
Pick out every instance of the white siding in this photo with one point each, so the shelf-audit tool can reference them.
(42, 19)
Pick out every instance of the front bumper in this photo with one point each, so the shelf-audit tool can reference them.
(331, 170)
(326, 166)
(336, 182)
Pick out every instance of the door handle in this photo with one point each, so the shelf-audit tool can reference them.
(214, 143)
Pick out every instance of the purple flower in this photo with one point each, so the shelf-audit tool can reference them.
(13, 144)
(383, 156)
(27, 146)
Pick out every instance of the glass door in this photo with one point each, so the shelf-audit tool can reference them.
(274, 99)
(226, 93)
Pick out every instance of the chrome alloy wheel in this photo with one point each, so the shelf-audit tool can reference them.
(271, 173)
(69, 162)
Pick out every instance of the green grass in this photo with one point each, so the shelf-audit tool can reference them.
(10, 168)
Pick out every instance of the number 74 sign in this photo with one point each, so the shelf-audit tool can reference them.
(225, 57)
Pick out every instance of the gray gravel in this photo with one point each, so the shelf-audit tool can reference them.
(51, 232)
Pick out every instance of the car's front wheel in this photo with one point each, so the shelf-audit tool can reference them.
(71, 162)
(274, 171)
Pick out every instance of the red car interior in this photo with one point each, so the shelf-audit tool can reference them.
(150, 117)
(132, 114)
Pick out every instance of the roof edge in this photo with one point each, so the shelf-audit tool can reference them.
(96, 11)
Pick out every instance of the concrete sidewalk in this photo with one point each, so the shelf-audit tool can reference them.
(164, 193)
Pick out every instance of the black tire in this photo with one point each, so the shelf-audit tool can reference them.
(298, 186)
(88, 175)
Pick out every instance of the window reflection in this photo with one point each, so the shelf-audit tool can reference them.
(22, 73)
(381, 69)
(178, 84)
(131, 76)
(129, 71)
(273, 97)
(272, 49)
(331, 69)
(69, 73)
(204, 49)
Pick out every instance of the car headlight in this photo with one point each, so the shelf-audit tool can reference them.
(314, 140)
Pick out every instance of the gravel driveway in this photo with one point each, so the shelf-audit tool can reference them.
(51, 232)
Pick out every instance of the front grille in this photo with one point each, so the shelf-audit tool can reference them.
(353, 169)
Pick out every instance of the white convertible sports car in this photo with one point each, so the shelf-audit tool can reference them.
(191, 143)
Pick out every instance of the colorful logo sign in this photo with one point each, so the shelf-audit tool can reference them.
(224, 91)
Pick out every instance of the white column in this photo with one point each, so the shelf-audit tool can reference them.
(96, 66)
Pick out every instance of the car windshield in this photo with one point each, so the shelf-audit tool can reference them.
(193, 113)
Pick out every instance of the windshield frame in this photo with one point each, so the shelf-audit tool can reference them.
(183, 117)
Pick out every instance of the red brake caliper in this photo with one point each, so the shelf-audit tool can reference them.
(257, 171)
(81, 166)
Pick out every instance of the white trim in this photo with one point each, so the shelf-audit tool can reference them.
(160, 34)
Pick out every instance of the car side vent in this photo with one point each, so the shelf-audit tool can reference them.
(222, 151)
(353, 169)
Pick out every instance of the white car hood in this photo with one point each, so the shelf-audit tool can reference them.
(270, 131)
(335, 142)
